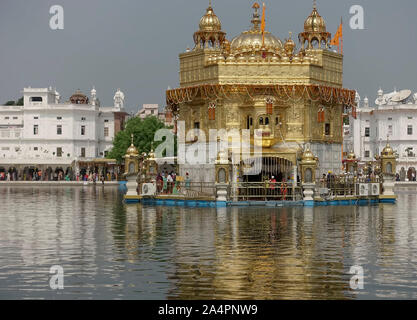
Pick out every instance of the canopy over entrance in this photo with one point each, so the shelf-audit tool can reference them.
(264, 168)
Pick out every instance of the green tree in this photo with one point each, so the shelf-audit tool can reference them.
(15, 103)
(143, 137)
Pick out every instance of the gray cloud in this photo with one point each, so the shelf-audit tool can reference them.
(134, 45)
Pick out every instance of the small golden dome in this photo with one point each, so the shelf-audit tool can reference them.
(289, 45)
(351, 156)
(308, 156)
(151, 155)
(132, 151)
(388, 151)
(315, 23)
(251, 41)
(210, 22)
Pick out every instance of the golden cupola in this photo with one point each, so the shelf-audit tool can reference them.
(210, 34)
(132, 151)
(388, 151)
(351, 156)
(315, 31)
(252, 42)
(289, 46)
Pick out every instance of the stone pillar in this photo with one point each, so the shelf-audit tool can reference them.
(222, 178)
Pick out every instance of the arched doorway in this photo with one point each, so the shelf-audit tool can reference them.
(266, 178)
(263, 169)
(58, 174)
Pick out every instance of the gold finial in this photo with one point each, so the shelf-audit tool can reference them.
(256, 21)
(314, 4)
(131, 139)
(210, 3)
(290, 35)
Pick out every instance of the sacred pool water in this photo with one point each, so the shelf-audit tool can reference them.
(111, 250)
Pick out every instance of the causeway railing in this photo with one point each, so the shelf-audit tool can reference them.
(265, 191)
(187, 189)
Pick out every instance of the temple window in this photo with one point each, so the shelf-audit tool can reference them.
(221, 176)
(327, 129)
(131, 167)
(266, 121)
(261, 121)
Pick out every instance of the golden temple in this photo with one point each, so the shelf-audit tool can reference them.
(292, 94)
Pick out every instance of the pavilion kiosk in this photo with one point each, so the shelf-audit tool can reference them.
(388, 161)
(151, 168)
(131, 173)
(308, 167)
(351, 164)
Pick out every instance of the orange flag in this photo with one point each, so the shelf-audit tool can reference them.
(338, 36)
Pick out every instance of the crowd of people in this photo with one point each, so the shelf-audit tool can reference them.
(167, 183)
(58, 175)
(276, 187)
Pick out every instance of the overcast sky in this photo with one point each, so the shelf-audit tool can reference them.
(134, 44)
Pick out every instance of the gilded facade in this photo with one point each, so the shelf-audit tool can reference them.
(289, 95)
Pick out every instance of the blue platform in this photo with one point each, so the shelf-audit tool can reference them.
(269, 204)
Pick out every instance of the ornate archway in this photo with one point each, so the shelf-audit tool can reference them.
(264, 168)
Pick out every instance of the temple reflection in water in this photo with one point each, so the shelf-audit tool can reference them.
(235, 253)
(109, 249)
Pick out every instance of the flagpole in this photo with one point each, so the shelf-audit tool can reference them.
(263, 25)
(341, 23)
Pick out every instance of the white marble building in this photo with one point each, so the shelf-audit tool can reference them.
(393, 117)
(46, 133)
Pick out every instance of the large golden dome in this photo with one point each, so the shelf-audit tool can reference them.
(252, 41)
(210, 22)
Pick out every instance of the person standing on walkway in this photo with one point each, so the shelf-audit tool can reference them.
(164, 184)
(187, 181)
(170, 182)
(272, 185)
